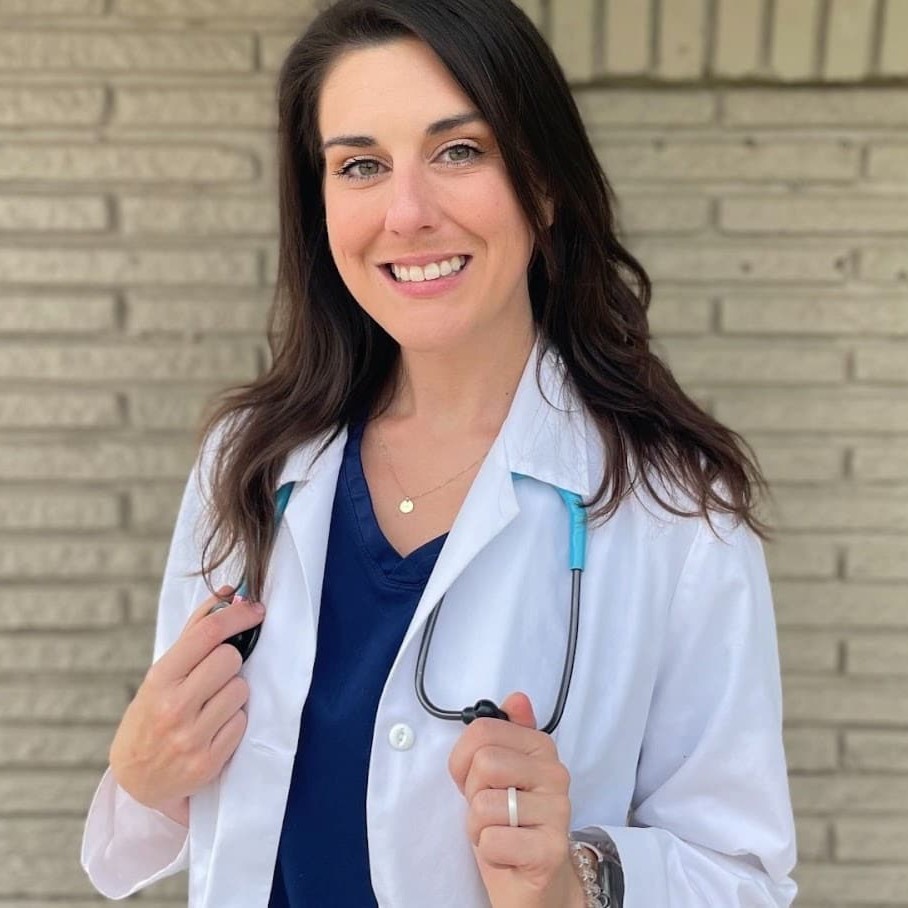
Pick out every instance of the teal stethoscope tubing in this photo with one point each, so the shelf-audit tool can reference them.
(245, 642)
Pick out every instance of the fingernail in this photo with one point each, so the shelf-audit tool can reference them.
(239, 600)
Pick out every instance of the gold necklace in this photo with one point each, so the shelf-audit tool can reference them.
(406, 505)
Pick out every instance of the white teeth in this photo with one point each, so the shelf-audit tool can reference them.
(430, 272)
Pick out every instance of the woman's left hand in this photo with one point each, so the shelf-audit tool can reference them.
(527, 866)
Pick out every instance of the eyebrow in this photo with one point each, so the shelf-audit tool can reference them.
(433, 129)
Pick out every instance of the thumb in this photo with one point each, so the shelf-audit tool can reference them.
(519, 709)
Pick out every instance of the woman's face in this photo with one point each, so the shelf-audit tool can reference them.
(400, 188)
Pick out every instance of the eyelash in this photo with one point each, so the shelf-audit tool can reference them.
(344, 172)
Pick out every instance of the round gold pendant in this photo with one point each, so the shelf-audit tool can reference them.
(406, 506)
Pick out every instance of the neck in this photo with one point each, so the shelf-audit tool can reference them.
(463, 390)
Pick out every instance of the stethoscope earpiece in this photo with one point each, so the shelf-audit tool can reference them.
(244, 641)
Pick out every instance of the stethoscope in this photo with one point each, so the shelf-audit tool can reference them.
(245, 641)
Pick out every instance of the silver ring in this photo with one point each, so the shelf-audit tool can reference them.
(512, 807)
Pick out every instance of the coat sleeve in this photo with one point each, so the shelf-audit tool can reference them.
(127, 846)
(711, 818)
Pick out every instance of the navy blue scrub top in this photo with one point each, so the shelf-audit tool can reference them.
(368, 598)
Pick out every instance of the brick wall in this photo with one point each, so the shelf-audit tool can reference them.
(760, 154)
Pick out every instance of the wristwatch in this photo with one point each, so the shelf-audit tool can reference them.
(610, 874)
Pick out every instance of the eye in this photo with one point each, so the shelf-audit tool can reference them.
(349, 170)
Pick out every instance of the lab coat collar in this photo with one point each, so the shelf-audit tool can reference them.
(545, 434)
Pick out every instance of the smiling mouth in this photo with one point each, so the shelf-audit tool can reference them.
(429, 280)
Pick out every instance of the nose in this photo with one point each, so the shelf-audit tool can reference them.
(412, 203)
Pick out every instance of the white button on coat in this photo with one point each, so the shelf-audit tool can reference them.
(401, 737)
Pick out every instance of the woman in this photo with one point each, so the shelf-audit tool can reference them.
(457, 330)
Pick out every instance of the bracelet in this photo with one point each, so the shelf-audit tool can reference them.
(583, 857)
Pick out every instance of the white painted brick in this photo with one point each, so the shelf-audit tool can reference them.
(58, 608)
(273, 50)
(46, 791)
(628, 26)
(849, 36)
(828, 699)
(871, 839)
(852, 884)
(31, 746)
(842, 509)
(808, 652)
(113, 650)
(148, 313)
(37, 559)
(572, 38)
(848, 793)
(877, 558)
(670, 313)
(811, 749)
(142, 606)
(881, 362)
(881, 462)
(894, 47)
(216, 9)
(747, 159)
(20, 8)
(658, 214)
(196, 216)
(813, 839)
(790, 462)
(602, 109)
(58, 510)
(70, 702)
(844, 410)
(739, 30)
(136, 268)
(798, 557)
(830, 314)
(681, 39)
(793, 39)
(806, 107)
(57, 314)
(888, 162)
(836, 604)
(168, 411)
(738, 261)
(33, 213)
(725, 362)
(89, 459)
(34, 105)
(123, 51)
(154, 507)
(888, 265)
(885, 751)
(84, 409)
(849, 215)
(70, 163)
(76, 361)
(235, 108)
(877, 655)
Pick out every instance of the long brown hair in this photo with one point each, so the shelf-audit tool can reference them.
(589, 295)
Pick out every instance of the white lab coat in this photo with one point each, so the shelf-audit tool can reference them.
(674, 714)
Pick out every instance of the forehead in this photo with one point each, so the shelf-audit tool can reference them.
(403, 78)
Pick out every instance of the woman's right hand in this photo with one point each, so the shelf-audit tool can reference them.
(187, 717)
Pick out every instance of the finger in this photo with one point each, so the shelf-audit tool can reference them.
(197, 641)
(210, 675)
(224, 592)
(499, 767)
(489, 807)
(231, 698)
(498, 733)
(534, 850)
(227, 740)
